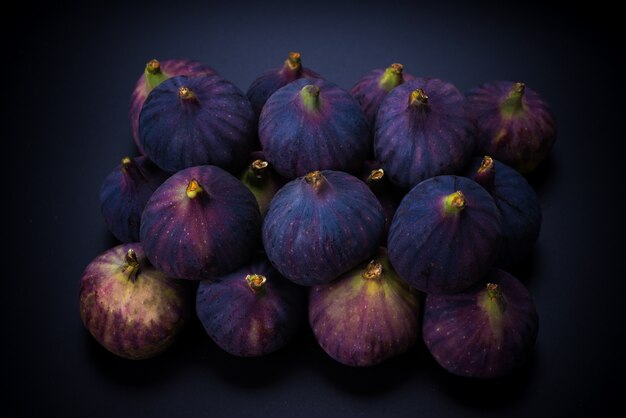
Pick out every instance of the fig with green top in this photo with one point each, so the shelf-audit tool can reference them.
(262, 180)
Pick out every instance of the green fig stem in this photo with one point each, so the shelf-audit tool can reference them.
(154, 75)
(418, 99)
(194, 189)
(294, 62)
(495, 298)
(513, 104)
(256, 282)
(454, 203)
(316, 180)
(256, 173)
(131, 265)
(486, 174)
(392, 77)
(373, 271)
(310, 97)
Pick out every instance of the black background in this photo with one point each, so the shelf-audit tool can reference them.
(65, 127)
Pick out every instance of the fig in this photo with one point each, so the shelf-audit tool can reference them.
(262, 180)
(423, 130)
(321, 225)
(483, 332)
(312, 124)
(445, 235)
(129, 307)
(365, 316)
(515, 124)
(155, 73)
(200, 223)
(252, 311)
(518, 204)
(124, 195)
(271, 80)
(202, 120)
(372, 88)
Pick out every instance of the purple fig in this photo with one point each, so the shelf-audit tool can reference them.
(252, 311)
(322, 225)
(515, 125)
(423, 130)
(124, 195)
(445, 235)
(485, 331)
(130, 308)
(155, 73)
(365, 316)
(191, 121)
(311, 124)
(201, 223)
(262, 180)
(271, 80)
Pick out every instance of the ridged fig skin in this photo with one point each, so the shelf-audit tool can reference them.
(312, 235)
(169, 68)
(415, 143)
(217, 127)
(521, 141)
(202, 237)
(471, 337)
(249, 324)
(133, 318)
(335, 136)
(263, 183)
(363, 322)
(520, 209)
(124, 194)
(436, 252)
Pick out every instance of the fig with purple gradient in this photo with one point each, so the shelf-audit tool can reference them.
(130, 308)
(484, 332)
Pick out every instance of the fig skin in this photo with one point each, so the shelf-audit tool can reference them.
(191, 121)
(247, 316)
(443, 241)
(124, 194)
(155, 73)
(129, 307)
(271, 80)
(201, 223)
(482, 332)
(518, 204)
(312, 124)
(423, 129)
(263, 181)
(515, 125)
(365, 316)
(322, 225)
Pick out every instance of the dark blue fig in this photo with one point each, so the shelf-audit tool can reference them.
(155, 73)
(322, 225)
(271, 80)
(484, 332)
(366, 316)
(201, 223)
(124, 195)
(252, 311)
(445, 235)
(423, 130)
(191, 121)
(518, 204)
(259, 176)
(515, 125)
(130, 308)
(311, 124)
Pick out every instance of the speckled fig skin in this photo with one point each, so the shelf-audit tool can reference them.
(271, 80)
(365, 316)
(129, 307)
(371, 89)
(445, 235)
(252, 311)
(190, 121)
(515, 125)
(518, 204)
(312, 124)
(124, 195)
(154, 74)
(322, 225)
(201, 223)
(484, 332)
(423, 130)
(259, 176)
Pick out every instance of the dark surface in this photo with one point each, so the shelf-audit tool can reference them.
(65, 104)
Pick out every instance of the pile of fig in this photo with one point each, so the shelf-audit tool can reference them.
(385, 215)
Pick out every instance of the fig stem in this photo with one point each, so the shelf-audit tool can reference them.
(494, 294)
(391, 77)
(376, 176)
(315, 179)
(454, 203)
(131, 265)
(186, 94)
(486, 173)
(294, 62)
(513, 103)
(310, 97)
(131, 169)
(373, 271)
(193, 189)
(154, 75)
(257, 172)
(418, 99)
(256, 282)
